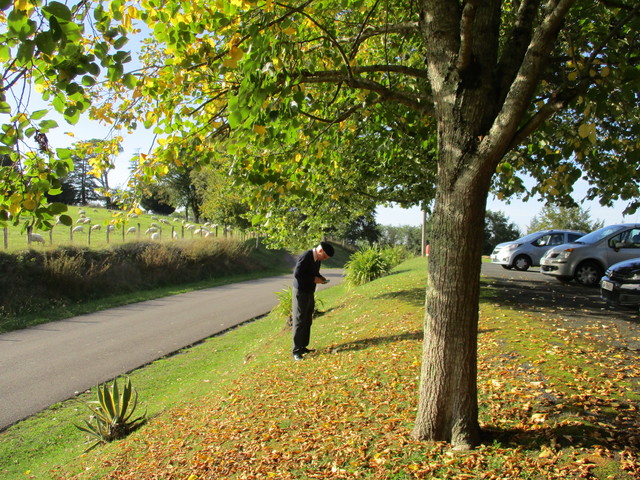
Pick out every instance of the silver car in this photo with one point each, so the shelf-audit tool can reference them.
(586, 259)
(527, 251)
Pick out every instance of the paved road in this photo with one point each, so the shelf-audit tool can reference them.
(43, 365)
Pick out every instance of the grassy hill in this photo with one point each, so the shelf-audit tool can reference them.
(96, 234)
(237, 406)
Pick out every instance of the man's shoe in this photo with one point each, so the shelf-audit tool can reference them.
(297, 356)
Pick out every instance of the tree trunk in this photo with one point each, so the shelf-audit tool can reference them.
(461, 74)
(448, 407)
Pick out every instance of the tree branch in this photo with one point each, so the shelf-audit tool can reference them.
(517, 100)
(558, 102)
(466, 35)
(416, 102)
(516, 46)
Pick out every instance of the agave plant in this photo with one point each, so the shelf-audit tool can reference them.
(111, 414)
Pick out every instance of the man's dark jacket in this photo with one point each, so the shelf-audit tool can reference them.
(306, 272)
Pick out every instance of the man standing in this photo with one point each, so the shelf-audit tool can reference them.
(305, 278)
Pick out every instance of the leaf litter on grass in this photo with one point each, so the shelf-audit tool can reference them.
(347, 411)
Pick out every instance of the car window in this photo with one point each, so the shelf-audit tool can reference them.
(542, 241)
(626, 239)
(556, 239)
(595, 237)
(574, 236)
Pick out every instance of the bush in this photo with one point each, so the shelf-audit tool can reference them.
(284, 308)
(367, 265)
(285, 305)
(396, 255)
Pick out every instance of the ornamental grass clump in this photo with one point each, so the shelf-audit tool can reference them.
(111, 415)
(284, 308)
(366, 265)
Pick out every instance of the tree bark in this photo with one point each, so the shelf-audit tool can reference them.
(461, 72)
(448, 406)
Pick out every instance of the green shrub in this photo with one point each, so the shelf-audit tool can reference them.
(366, 265)
(396, 255)
(284, 308)
(285, 305)
(111, 417)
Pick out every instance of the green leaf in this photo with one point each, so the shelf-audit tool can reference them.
(129, 80)
(63, 153)
(38, 114)
(66, 220)
(121, 42)
(57, 208)
(58, 10)
(25, 51)
(115, 72)
(5, 53)
(88, 81)
(45, 42)
(4, 4)
(47, 125)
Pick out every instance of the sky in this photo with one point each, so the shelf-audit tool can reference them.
(517, 212)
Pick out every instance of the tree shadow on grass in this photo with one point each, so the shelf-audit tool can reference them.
(570, 300)
(576, 428)
(414, 296)
(370, 342)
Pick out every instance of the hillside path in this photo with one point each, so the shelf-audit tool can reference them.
(52, 362)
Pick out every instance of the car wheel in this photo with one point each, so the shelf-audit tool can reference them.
(522, 263)
(588, 274)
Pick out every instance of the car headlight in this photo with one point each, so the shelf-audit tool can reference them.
(511, 246)
(564, 254)
(632, 276)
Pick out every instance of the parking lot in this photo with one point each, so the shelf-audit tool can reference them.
(573, 306)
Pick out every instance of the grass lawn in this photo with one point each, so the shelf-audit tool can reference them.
(96, 235)
(236, 406)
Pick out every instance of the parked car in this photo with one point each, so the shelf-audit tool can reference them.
(527, 251)
(621, 283)
(586, 259)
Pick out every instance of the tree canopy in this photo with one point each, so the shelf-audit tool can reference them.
(570, 218)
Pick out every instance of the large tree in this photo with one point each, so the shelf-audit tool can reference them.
(317, 99)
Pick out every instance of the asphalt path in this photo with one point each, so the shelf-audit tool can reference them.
(52, 362)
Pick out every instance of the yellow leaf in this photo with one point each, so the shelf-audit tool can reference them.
(14, 208)
(230, 63)
(22, 5)
(260, 129)
(572, 76)
(236, 53)
(584, 130)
